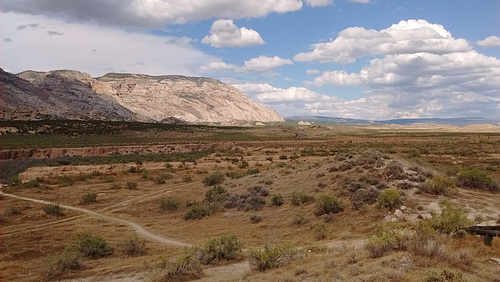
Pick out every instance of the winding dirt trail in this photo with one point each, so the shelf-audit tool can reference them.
(134, 226)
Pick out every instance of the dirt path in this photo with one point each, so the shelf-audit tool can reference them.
(134, 226)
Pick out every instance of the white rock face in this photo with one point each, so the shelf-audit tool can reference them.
(144, 98)
(186, 98)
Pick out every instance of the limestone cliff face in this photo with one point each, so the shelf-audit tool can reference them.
(144, 98)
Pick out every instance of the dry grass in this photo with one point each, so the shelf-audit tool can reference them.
(349, 168)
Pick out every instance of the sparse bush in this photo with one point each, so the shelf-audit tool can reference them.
(225, 248)
(387, 239)
(277, 200)
(300, 197)
(255, 218)
(444, 275)
(395, 170)
(162, 178)
(187, 267)
(91, 246)
(197, 212)
(131, 185)
(116, 186)
(327, 204)
(213, 179)
(12, 210)
(298, 219)
(187, 178)
(271, 257)
(169, 205)
(216, 194)
(450, 221)
(320, 232)
(62, 263)
(52, 209)
(133, 246)
(66, 180)
(389, 198)
(438, 185)
(89, 198)
(364, 196)
(283, 157)
(475, 178)
(253, 170)
(234, 174)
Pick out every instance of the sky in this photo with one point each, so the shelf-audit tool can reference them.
(365, 59)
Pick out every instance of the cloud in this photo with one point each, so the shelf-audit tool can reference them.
(315, 71)
(406, 37)
(360, 1)
(224, 33)
(318, 3)
(259, 64)
(491, 41)
(150, 13)
(93, 49)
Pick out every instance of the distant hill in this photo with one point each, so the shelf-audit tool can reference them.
(69, 94)
(463, 121)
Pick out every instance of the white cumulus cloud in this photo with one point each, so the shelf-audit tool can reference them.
(259, 64)
(224, 33)
(412, 36)
(491, 41)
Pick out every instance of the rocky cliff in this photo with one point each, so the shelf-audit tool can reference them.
(69, 94)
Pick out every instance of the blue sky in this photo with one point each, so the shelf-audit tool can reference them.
(368, 59)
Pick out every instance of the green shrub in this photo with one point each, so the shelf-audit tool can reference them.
(67, 261)
(326, 204)
(133, 246)
(162, 178)
(91, 246)
(213, 179)
(66, 180)
(169, 205)
(186, 268)
(450, 221)
(387, 239)
(476, 178)
(89, 198)
(225, 248)
(438, 185)
(300, 197)
(131, 185)
(197, 212)
(216, 194)
(389, 198)
(252, 171)
(277, 200)
(52, 209)
(271, 257)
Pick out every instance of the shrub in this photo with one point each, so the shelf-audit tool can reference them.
(66, 180)
(450, 221)
(255, 218)
(389, 198)
(225, 248)
(328, 205)
(169, 205)
(283, 157)
(116, 186)
(476, 178)
(320, 232)
(131, 185)
(216, 194)
(277, 200)
(395, 170)
(298, 219)
(438, 185)
(364, 196)
(271, 257)
(386, 240)
(12, 210)
(162, 178)
(91, 246)
(234, 174)
(133, 246)
(213, 179)
(89, 198)
(186, 268)
(52, 209)
(251, 171)
(300, 197)
(197, 212)
(66, 261)
(444, 275)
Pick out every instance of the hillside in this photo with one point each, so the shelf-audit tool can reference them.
(67, 94)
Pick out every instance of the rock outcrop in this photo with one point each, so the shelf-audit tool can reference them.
(67, 94)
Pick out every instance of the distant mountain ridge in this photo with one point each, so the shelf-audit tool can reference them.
(463, 121)
(69, 94)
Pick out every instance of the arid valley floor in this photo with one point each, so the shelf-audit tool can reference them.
(317, 203)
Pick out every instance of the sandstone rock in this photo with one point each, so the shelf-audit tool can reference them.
(67, 94)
